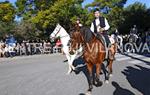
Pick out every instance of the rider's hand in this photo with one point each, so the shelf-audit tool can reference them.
(102, 30)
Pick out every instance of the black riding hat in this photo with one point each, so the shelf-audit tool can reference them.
(96, 9)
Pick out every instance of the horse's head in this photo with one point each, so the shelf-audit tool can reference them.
(76, 41)
(56, 32)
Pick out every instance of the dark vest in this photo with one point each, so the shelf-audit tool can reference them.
(102, 23)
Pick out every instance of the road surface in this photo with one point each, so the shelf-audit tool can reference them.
(46, 75)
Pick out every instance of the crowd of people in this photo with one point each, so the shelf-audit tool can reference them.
(29, 48)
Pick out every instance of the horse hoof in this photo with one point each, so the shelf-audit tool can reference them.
(98, 84)
(88, 93)
(110, 75)
(76, 71)
(73, 68)
(107, 82)
(69, 72)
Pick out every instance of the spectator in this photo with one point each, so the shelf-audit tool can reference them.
(17, 49)
(6, 50)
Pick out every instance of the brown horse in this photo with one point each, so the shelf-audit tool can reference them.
(93, 53)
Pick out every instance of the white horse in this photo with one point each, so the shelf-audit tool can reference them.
(59, 31)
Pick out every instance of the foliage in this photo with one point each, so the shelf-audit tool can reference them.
(112, 10)
(62, 11)
(7, 12)
(26, 30)
(6, 28)
(39, 17)
(135, 14)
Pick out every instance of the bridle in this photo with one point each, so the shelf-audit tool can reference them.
(57, 32)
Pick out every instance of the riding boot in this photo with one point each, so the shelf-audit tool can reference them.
(107, 44)
(107, 40)
(101, 38)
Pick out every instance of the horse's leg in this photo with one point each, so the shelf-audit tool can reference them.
(68, 56)
(72, 57)
(110, 71)
(110, 62)
(121, 44)
(90, 78)
(70, 62)
(97, 81)
(70, 69)
(112, 51)
(134, 47)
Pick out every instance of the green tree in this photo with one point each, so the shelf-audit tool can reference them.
(7, 15)
(26, 30)
(135, 14)
(29, 8)
(7, 12)
(45, 14)
(107, 5)
(6, 28)
(112, 10)
(62, 11)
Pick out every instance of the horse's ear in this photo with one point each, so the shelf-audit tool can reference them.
(77, 27)
(57, 24)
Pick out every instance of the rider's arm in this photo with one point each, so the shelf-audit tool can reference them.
(107, 25)
(92, 27)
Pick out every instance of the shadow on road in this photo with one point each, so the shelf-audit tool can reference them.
(120, 91)
(139, 78)
(146, 62)
(80, 65)
(144, 54)
(82, 94)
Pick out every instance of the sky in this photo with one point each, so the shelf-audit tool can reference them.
(147, 2)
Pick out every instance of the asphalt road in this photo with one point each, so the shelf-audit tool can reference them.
(46, 75)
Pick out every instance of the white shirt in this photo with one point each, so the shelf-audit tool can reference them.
(6, 49)
(98, 25)
(80, 25)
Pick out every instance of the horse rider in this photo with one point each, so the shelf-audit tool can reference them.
(78, 24)
(134, 30)
(99, 27)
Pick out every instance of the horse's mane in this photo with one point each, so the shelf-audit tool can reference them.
(87, 34)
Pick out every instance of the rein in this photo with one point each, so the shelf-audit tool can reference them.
(64, 36)
(57, 32)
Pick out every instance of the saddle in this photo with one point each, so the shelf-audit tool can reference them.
(106, 44)
(101, 38)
